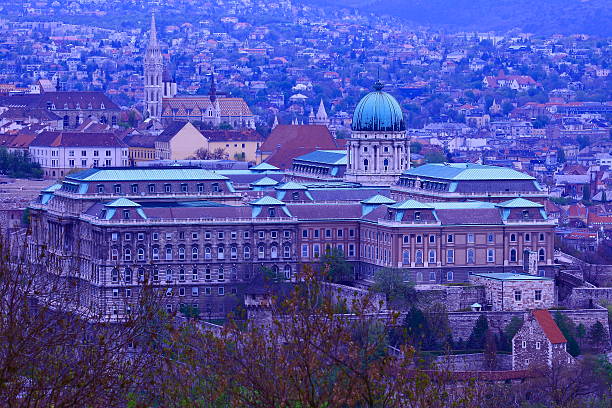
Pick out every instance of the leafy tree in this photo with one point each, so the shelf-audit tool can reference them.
(400, 293)
(598, 334)
(560, 156)
(477, 338)
(490, 351)
(415, 147)
(435, 157)
(338, 268)
(506, 336)
(204, 154)
(568, 328)
(583, 141)
(416, 327)
(580, 333)
(18, 165)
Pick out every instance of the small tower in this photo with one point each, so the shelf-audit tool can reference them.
(321, 117)
(168, 84)
(153, 72)
(378, 150)
(275, 124)
(212, 94)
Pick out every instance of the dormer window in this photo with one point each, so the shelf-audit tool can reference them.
(295, 195)
(117, 188)
(100, 188)
(102, 106)
(417, 215)
(126, 214)
(271, 212)
(215, 187)
(525, 214)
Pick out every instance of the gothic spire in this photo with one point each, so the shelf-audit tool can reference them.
(213, 87)
(153, 32)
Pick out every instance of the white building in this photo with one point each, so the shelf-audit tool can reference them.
(59, 153)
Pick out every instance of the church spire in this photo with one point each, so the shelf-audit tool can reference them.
(153, 32)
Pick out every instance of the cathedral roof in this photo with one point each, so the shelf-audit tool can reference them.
(378, 111)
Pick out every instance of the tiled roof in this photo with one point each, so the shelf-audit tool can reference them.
(267, 200)
(333, 157)
(378, 199)
(291, 185)
(466, 171)
(519, 203)
(548, 325)
(122, 202)
(152, 174)
(171, 130)
(61, 100)
(482, 216)
(410, 204)
(287, 142)
(229, 106)
(265, 181)
(77, 139)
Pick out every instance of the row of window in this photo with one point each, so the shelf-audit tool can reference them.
(155, 236)
(518, 295)
(470, 257)
(167, 188)
(316, 250)
(327, 233)
(274, 252)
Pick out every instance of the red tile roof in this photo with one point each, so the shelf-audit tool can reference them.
(286, 142)
(77, 139)
(548, 325)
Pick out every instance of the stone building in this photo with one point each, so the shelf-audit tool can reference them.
(188, 231)
(378, 150)
(515, 291)
(539, 342)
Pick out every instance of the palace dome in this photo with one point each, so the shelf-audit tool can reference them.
(378, 111)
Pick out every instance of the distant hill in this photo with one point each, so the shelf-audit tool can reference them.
(535, 16)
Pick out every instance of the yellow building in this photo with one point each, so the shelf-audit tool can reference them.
(237, 144)
(141, 147)
(179, 141)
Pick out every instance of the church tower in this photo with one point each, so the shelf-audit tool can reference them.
(153, 72)
(378, 150)
(321, 117)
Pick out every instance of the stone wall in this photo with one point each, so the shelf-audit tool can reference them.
(472, 362)
(349, 295)
(581, 298)
(455, 298)
(462, 323)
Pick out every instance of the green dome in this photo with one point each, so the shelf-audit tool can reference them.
(379, 112)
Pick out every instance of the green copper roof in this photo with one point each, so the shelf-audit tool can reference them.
(52, 188)
(519, 203)
(267, 200)
(511, 276)
(149, 174)
(122, 202)
(291, 185)
(466, 171)
(410, 204)
(330, 157)
(264, 166)
(378, 199)
(265, 181)
(378, 112)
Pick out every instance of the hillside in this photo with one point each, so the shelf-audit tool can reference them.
(541, 17)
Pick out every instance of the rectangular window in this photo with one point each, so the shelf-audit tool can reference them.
(316, 233)
(233, 235)
(470, 238)
(316, 250)
(141, 236)
(450, 238)
(221, 235)
(538, 295)
(287, 234)
(207, 291)
(419, 239)
(304, 251)
(246, 235)
(207, 235)
(538, 345)
(155, 236)
(195, 291)
(518, 295)
(328, 233)
(351, 251)
(432, 239)
(304, 233)
(490, 255)
(221, 291)
(181, 291)
(261, 234)
(114, 236)
(450, 256)
(127, 236)
(490, 238)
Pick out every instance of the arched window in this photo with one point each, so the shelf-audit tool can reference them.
(386, 164)
(286, 251)
(127, 275)
(419, 256)
(261, 252)
(470, 256)
(141, 254)
(155, 253)
(432, 256)
(273, 251)
(181, 253)
(288, 272)
(168, 253)
(419, 277)
(66, 121)
(406, 257)
(127, 254)
(513, 255)
(541, 255)
(114, 254)
(234, 252)
(181, 275)
(168, 275)
(365, 164)
(221, 252)
(246, 251)
(449, 276)
(207, 253)
(194, 252)
(512, 237)
(115, 275)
